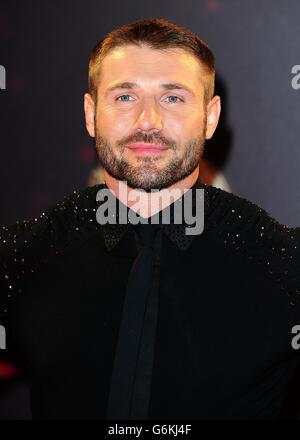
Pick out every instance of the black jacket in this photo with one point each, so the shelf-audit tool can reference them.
(228, 300)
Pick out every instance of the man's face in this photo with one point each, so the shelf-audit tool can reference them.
(150, 122)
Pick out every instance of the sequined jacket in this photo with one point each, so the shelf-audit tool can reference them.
(228, 309)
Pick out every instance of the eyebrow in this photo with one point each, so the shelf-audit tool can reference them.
(166, 86)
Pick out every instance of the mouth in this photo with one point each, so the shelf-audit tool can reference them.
(142, 148)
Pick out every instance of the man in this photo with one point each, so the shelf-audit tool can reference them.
(144, 318)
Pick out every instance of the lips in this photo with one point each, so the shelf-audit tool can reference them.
(140, 147)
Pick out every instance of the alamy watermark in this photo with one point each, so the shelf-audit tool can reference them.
(2, 78)
(2, 338)
(296, 79)
(184, 210)
(296, 339)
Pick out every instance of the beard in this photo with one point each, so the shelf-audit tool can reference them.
(146, 174)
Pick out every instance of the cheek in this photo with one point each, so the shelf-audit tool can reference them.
(184, 127)
(115, 124)
(178, 128)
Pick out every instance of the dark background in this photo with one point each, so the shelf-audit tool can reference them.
(46, 152)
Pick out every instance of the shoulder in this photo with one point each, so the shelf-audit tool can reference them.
(229, 209)
(30, 246)
(248, 229)
(56, 223)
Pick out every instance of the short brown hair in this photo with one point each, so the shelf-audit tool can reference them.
(157, 33)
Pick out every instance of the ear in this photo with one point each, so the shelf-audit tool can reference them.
(89, 111)
(213, 115)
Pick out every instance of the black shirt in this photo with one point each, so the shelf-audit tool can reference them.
(226, 303)
(133, 360)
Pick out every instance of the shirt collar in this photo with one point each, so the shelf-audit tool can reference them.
(113, 232)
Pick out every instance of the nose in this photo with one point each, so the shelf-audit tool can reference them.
(149, 117)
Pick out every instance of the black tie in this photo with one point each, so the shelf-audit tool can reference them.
(131, 376)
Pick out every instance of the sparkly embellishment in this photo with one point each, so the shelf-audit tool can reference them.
(259, 237)
(237, 222)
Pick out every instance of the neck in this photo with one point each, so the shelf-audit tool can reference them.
(147, 204)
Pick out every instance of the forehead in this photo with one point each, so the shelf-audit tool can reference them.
(136, 63)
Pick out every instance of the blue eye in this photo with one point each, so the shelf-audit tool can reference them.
(176, 97)
(122, 96)
(173, 101)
